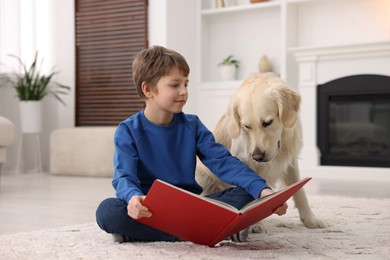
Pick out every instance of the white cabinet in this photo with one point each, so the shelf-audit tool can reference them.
(213, 100)
(249, 31)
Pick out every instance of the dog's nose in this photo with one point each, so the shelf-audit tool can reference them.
(259, 156)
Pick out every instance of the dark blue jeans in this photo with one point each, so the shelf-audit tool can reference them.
(111, 216)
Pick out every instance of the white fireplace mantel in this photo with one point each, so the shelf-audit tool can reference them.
(361, 50)
(318, 65)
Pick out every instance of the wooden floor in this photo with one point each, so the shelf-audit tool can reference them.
(38, 201)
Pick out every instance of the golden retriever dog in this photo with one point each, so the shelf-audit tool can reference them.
(262, 128)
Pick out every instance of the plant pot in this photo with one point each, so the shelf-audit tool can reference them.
(30, 116)
(227, 72)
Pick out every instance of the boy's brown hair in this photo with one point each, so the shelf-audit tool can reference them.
(153, 63)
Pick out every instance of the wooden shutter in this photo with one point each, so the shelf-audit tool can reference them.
(108, 35)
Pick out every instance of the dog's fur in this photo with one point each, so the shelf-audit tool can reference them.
(262, 128)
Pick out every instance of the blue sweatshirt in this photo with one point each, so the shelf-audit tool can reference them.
(145, 152)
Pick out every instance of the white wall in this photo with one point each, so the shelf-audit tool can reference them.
(172, 24)
(351, 21)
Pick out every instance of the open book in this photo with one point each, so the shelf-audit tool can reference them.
(206, 221)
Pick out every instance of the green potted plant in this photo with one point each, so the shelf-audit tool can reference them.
(228, 68)
(31, 87)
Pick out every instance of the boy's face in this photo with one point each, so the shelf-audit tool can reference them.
(171, 94)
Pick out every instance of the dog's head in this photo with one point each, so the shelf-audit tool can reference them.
(261, 110)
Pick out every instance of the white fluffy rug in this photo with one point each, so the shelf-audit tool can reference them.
(358, 229)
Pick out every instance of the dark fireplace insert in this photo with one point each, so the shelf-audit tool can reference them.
(353, 121)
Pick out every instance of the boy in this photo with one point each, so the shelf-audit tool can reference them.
(163, 142)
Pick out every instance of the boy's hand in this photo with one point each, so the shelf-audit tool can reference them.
(136, 210)
(281, 210)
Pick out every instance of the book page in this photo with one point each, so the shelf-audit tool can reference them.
(210, 200)
(255, 203)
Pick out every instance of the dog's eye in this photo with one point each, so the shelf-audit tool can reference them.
(266, 123)
(247, 126)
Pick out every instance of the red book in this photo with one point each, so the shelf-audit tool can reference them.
(206, 221)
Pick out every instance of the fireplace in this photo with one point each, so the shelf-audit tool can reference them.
(351, 98)
(353, 121)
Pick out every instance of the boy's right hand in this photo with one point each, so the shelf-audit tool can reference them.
(136, 210)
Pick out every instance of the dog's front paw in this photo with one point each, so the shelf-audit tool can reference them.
(313, 222)
(258, 228)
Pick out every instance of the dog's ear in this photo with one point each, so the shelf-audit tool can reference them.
(288, 101)
(234, 120)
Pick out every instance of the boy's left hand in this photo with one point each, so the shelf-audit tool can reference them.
(281, 210)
